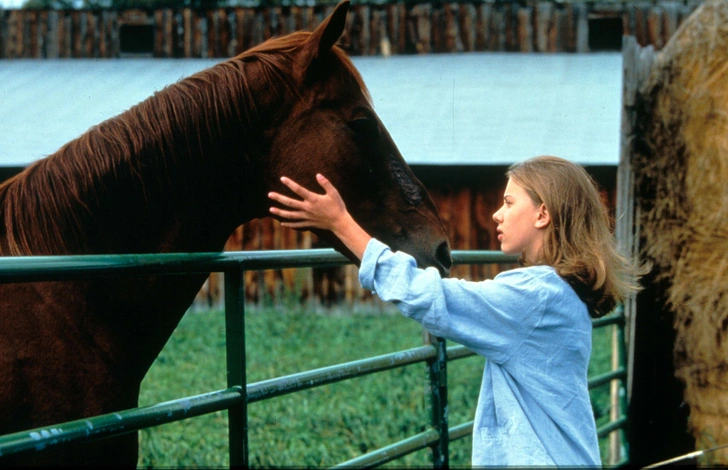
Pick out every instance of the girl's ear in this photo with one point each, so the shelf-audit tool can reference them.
(543, 218)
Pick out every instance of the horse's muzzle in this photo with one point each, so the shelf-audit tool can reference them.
(443, 259)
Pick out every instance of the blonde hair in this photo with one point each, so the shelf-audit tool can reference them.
(578, 242)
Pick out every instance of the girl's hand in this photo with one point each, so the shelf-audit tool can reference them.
(323, 211)
(313, 210)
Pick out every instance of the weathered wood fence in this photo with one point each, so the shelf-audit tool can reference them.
(394, 28)
(465, 197)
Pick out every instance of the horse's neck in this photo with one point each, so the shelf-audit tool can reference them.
(173, 189)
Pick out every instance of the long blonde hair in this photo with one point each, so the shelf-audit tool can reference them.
(578, 242)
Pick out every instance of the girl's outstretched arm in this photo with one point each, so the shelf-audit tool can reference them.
(323, 211)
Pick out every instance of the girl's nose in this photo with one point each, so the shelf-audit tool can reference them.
(496, 215)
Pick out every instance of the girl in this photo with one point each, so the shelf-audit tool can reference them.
(532, 323)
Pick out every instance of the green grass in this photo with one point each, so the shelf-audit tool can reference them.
(319, 427)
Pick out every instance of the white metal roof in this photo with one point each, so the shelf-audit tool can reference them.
(470, 108)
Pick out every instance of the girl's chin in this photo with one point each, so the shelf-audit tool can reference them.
(509, 252)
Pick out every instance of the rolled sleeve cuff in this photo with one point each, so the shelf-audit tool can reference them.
(368, 265)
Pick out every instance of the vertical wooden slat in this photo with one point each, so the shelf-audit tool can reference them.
(525, 29)
(555, 35)
(543, 13)
(421, 17)
(582, 28)
(497, 29)
(238, 16)
(467, 22)
(60, 32)
(168, 33)
(510, 19)
(640, 26)
(158, 33)
(3, 33)
(51, 36)
(201, 47)
(377, 31)
(226, 34)
(104, 34)
(231, 47)
(188, 35)
(451, 15)
(258, 31)
(394, 31)
(97, 31)
(268, 27)
(669, 21)
(114, 39)
(654, 27)
(27, 33)
(286, 22)
(211, 34)
(268, 240)
(32, 28)
(15, 34)
(67, 35)
(482, 27)
(306, 243)
(363, 15)
(42, 34)
(252, 236)
(75, 34)
(462, 206)
(87, 43)
(568, 26)
(245, 20)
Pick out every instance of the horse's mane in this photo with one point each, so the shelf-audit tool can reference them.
(46, 208)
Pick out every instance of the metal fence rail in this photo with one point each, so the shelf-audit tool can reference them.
(238, 394)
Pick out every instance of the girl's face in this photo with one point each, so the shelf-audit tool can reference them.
(521, 223)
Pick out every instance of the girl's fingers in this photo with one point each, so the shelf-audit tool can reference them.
(295, 187)
(326, 184)
(285, 200)
(331, 191)
(291, 215)
(296, 225)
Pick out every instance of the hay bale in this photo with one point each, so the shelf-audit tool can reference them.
(680, 153)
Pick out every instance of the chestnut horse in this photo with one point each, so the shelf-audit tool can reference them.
(177, 173)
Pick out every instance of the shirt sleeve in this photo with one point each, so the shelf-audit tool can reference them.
(491, 317)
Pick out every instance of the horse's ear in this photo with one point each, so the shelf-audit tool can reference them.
(323, 38)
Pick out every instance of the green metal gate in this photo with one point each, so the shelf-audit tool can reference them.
(238, 394)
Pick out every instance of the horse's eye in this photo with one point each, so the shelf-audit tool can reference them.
(364, 127)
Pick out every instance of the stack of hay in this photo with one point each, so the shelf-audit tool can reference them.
(680, 152)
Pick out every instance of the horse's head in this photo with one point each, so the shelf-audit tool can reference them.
(332, 129)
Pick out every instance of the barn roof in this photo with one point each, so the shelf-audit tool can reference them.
(470, 108)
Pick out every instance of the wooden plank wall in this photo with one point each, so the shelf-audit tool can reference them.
(397, 28)
(466, 205)
(466, 198)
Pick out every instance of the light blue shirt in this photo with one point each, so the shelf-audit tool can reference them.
(534, 406)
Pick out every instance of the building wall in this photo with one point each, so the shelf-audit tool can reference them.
(466, 198)
(395, 28)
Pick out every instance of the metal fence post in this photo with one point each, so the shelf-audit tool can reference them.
(235, 343)
(438, 401)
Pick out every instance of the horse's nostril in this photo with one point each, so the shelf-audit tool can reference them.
(443, 255)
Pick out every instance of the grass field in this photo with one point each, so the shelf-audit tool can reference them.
(319, 427)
